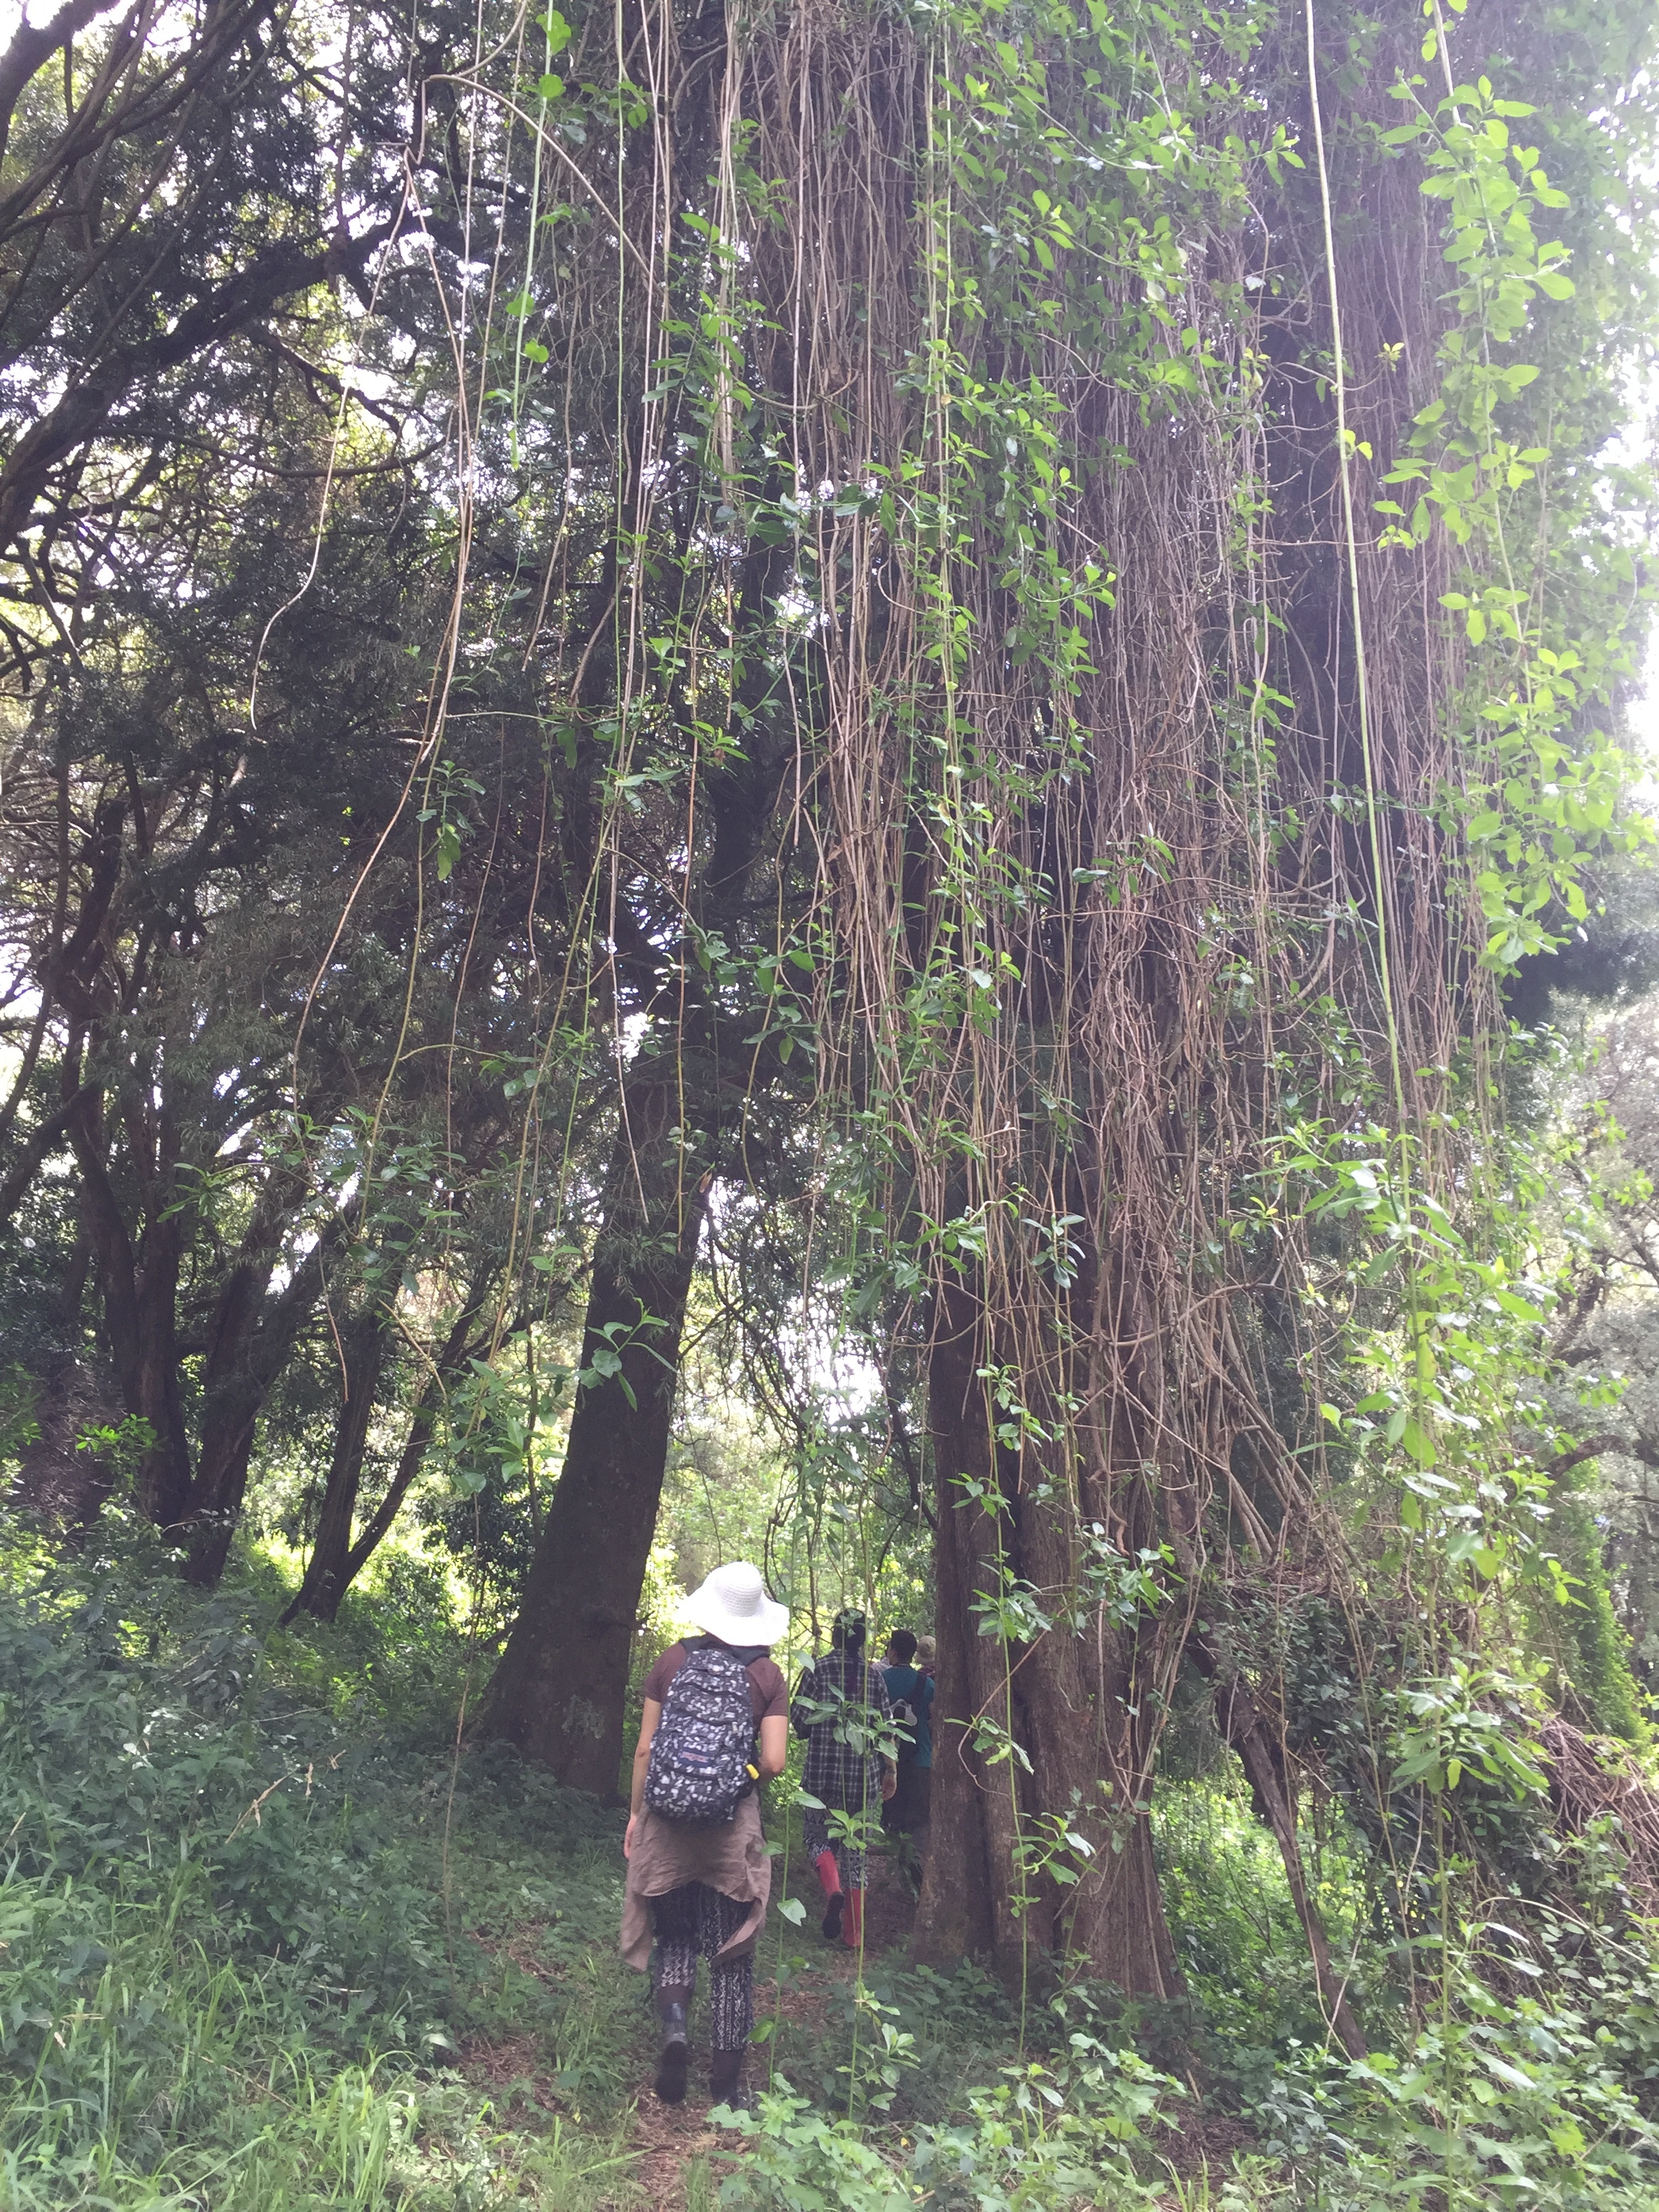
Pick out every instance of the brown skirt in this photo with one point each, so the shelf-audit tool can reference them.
(667, 1855)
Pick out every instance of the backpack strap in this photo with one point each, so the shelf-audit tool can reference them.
(748, 1653)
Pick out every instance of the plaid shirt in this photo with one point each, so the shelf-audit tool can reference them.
(841, 1707)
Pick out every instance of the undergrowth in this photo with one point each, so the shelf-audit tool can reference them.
(242, 1968)
(268, 1943)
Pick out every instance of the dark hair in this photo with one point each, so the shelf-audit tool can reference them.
(847, 1632)
(903, 1645)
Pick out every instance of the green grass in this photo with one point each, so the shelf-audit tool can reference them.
(241, 1969)
(267, 1946)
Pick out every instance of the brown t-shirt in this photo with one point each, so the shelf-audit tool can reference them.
(768, 1690)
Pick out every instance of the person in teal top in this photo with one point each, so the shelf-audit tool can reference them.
(911, 1693)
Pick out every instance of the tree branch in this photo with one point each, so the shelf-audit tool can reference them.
(32, 46)
(271, 277)
(15, 1188)
(1634, 1447)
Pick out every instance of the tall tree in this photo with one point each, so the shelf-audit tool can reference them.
(678, 675)
(1003, 563)
(558, 1690)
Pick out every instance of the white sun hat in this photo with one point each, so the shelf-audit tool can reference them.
(732, 1605)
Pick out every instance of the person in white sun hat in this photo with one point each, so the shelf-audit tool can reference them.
(715, 1726)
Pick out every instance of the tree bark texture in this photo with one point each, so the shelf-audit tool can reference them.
(958, 1916)
(140, 1284)
(1070, 1702)
(559, 1690)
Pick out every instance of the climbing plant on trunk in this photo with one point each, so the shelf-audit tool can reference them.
(1174, 792)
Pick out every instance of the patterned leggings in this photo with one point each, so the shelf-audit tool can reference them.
(694, 1922)
(849, 1857)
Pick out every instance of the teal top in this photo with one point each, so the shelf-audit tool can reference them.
(917, 1690)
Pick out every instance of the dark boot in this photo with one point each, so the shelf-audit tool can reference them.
(672, 2004)
(828, 1875)
(725, 2085)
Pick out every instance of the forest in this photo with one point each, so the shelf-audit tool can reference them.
(858, 785)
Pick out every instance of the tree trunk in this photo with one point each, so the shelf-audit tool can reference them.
(956, 1918)
(451, 1360)
(57, 1476)
(364, 1345)
(141, 1291)
(253, 1334)
(38, 1144)
(166, 1471)
(1069, 1702)
(1115, 1916)
(559, 1689)
(233, 1390)
(329, 1575)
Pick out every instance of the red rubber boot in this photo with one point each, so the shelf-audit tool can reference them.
(828, 1875)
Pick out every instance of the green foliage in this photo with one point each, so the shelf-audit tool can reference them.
(1168, 866)
(1471, 1722)
(800, 2161)
(1253, 2001)
(1598, 1672)
(240, 1957)
(18, 1425)
(1547, 783)
(391, 1657)
(237, 1974)
(1042, 2136)
(1535, 2085)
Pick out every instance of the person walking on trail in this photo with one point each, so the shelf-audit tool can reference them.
(715, 1726)
(840, 1707)
(910, 1692)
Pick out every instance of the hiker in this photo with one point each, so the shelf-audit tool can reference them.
(715, 1726)
(840, 1707)
(910, 1692)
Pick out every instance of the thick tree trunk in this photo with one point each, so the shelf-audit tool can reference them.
(233, 1389)
(57, 1476)
(166, 1468)
(559, 1689)
(956, 1918)
(140, 1292)
(212, 1528)
(1114, 1916)
(1069, 1702)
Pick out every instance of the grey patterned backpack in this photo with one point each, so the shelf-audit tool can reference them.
(699, 1769)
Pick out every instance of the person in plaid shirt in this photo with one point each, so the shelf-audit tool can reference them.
(841, 1707)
